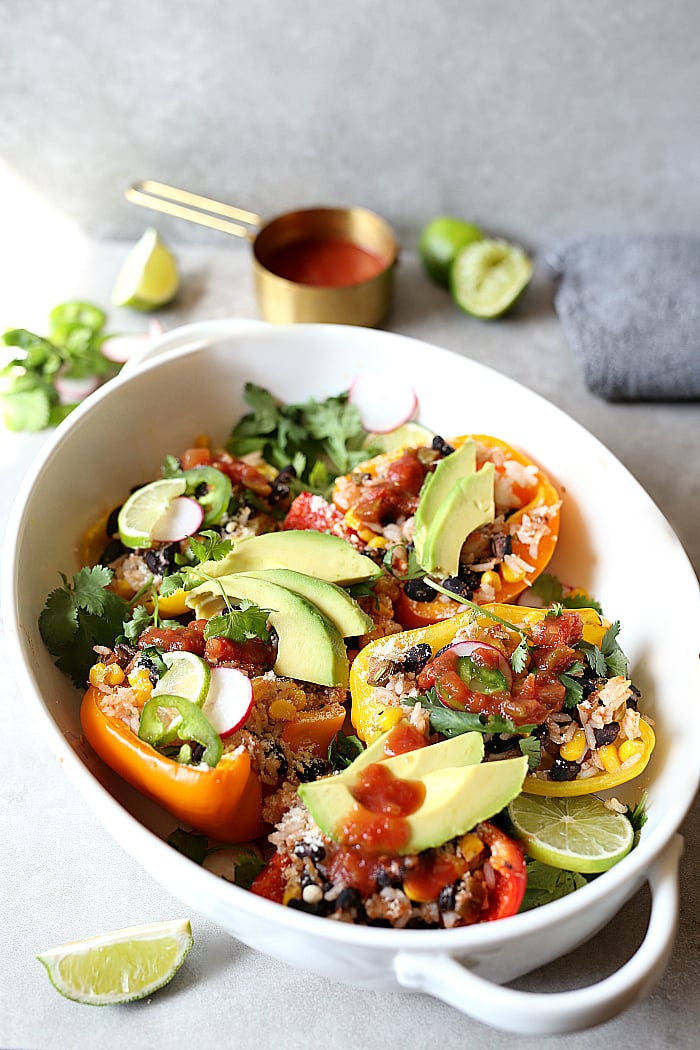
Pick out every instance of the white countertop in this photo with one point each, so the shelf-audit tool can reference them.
(63, 878)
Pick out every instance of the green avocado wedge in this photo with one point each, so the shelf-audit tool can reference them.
(464, 750)
(437, 486)
(469, 505)
(333, 601)
(455, 800)
(309, 646)
(318, 554)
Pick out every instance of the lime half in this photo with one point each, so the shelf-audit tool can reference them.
(121, 966)
(488, 277)
(187, 675)
(149, 277)
(144, 508)
(576, 834)
(409, 435)
(439, 243)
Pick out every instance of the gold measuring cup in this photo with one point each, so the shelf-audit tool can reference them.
(366, 243)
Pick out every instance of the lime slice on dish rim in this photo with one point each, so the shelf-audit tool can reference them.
(144, 508)
(488, 277)
(149, 276)
(121, 966)
(187, 676)
(408, 435)
(439, 243)
(576, 834)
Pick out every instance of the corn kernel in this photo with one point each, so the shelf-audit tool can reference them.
(352, 521)
(97, 674)
(140, 682)
(610, 758)
(376, 541)
(630, 747)
(282, 711)
(470, 846)
(492, 580)
(113, 674)
(512, 573)
(573, 749)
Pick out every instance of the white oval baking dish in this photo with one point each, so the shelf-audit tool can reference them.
(192, 382)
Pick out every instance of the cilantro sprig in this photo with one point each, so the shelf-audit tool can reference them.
(320, 439)
(29, 394)
(606, 660)
(79, 616)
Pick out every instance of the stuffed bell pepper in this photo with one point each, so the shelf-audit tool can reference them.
(552, 684)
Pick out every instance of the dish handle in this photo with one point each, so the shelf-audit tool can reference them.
(539, 1013)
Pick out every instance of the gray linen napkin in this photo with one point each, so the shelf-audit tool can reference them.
(630, 310)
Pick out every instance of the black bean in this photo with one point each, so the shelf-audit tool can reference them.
(416, 923)
(458, 586)
(273, 749)
(124, 652)
(348, 899)
(385, 878)
(441, 446)
(197, 753)
(378, 922)
(313, 850)
(113, 550)
(308, 769)
(468, 576)
(447, 897)
(499, 744)
(112, 526)
(161, 560)
(321, 908)
(415, 658)
(280, 486)
(419, 591)
(501, 544)
(564, 770)
(606, 734)
(632, 701)
(149, 665)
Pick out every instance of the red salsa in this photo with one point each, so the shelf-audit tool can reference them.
(325, 263)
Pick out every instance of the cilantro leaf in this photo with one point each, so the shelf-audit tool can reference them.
(607, 660)
(520, 656)
(209, 547)
(343, 750)
(532, 748)
(550, 591)
(321, 439)
(247, 621)
(545, 884)
(448, 722)
(171, 467)
(574, 690)
(79, 616)
(190, 843)
(407, 554)
(637, 815)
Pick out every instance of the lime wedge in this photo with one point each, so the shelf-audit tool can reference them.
(439, 243)
(144, 508)
(576, 834)
(408, 435)
(488, 277)
(149, 277)
(121, 966)
(187, 675)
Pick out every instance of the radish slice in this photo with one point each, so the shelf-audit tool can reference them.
(229, 700)
(70, 390)
(384, 402)
(486, 656)
(120, 348)
(182, 519)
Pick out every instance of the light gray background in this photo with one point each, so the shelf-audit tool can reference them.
(536, 119)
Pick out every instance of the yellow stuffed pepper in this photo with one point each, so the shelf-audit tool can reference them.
(550, 683)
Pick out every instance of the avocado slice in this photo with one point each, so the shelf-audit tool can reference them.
(333, 601)
(469, 504)
(437, 486)
(456, 798)
(463, 750)
(317, 554)
(309, 646)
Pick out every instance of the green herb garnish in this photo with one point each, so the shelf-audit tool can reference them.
(343, 750)
(321, 439)
(546, 884)
(79, 616)
(448, 722)
(29, 396)
(550, 591)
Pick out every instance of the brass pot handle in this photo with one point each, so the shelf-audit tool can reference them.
(194, 208)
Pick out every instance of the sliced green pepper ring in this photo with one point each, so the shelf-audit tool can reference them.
(192, 725)
(75, 312)
(216, 499)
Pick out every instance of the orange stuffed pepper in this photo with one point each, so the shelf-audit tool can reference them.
(394, 502)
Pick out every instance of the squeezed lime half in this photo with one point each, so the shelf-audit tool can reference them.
(488, 277)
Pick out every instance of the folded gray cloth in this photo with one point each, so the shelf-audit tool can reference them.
(630, 310)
